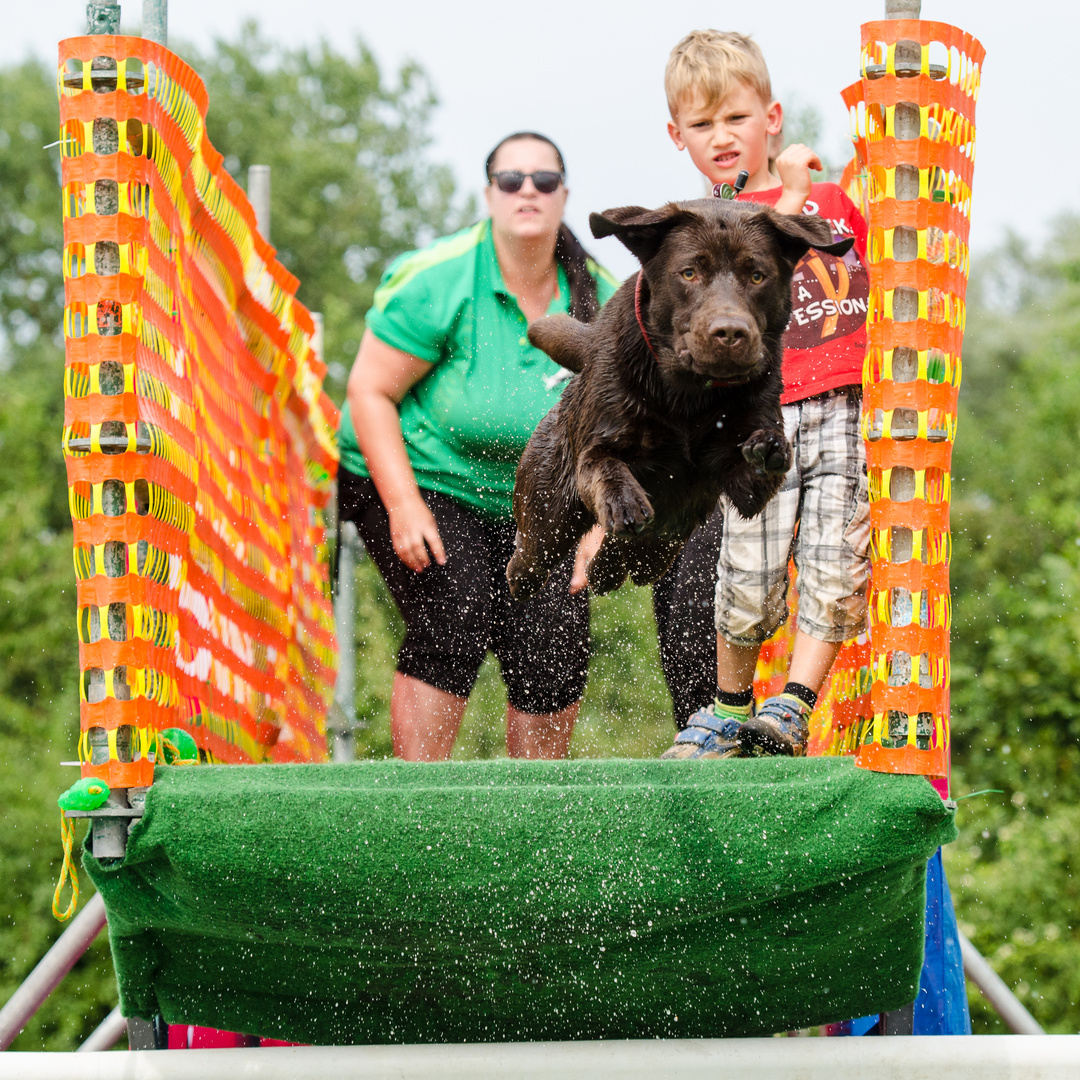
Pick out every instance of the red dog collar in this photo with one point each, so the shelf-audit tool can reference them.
(637, 312)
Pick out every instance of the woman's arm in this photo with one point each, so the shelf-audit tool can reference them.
(381, 376)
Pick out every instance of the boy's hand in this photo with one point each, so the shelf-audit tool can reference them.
(793, 167)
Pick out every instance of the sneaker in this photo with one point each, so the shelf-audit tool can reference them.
(708, 734)
(780, 726)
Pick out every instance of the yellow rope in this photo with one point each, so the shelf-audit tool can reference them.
(67, 837)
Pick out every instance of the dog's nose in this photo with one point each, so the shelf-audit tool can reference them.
(733, 334)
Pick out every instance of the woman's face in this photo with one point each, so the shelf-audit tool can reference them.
(527, 213)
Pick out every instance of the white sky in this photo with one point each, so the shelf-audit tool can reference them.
(590, 75)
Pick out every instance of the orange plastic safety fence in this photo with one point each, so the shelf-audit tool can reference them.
(913, 125)
(198, 440)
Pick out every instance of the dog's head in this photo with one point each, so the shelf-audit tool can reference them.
(717, 281)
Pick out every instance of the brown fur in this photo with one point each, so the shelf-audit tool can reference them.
(640, 440)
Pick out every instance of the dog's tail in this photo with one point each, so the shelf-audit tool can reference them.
(564, 339)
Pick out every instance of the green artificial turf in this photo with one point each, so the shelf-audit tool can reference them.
(381, 902)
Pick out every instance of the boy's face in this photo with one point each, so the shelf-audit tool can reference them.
(733, 137)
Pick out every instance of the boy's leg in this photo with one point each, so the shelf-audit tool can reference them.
(735, 666)
(751, 601)
(831, 555)
(811, 660)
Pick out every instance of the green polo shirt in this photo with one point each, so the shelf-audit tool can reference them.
(467, 421)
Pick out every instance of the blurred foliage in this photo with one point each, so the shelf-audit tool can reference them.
(351, 188)
(31, 288)
(1016, 625)
(350, 184)
(803, 124)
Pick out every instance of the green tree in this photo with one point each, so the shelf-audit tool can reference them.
(1016, 630)
(351, 186)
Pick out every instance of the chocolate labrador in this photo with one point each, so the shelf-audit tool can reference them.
(677, 396)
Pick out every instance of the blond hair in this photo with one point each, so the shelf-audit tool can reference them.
(707, 64)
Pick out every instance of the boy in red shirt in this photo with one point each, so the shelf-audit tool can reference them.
(723, 114)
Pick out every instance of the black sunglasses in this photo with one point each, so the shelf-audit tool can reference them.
(511, 181)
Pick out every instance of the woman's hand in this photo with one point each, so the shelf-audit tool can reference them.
(587, 547)
(414, 534)
(380, 378)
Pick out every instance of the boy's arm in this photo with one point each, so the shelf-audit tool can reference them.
(793, 167)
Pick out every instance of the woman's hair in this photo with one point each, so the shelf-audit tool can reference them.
(569, 254)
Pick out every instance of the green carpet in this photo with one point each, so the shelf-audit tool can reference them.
(385, 902)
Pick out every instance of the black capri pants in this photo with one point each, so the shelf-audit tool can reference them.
(683, 602)
(457, 612)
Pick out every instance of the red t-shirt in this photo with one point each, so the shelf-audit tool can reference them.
(825, 341)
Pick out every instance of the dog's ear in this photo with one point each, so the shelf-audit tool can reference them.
(800, 232)
(640, 230)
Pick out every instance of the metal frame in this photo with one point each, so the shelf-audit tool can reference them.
(50, 971)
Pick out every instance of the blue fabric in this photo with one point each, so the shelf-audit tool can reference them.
(941, 1007)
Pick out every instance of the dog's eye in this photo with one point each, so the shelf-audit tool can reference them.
(757, 277)
(689, 273)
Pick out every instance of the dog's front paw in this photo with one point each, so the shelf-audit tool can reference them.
(625, 510)
(768, 452)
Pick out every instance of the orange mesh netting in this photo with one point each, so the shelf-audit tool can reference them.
(913, 124)
(198, 440)
(887, 697)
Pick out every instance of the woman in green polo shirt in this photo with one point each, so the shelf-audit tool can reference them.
(442, 398)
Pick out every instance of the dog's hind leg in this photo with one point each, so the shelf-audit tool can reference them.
(550, 517)
(649, 559)
(607, 568)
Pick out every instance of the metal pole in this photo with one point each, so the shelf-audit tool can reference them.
(1005, 1003)
(102, 17)
(906, 240)
(155, 21)
(108, 834)
(342, 719)
(259, 196)
(343, 713)
(48, 974)
(105, 1034)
